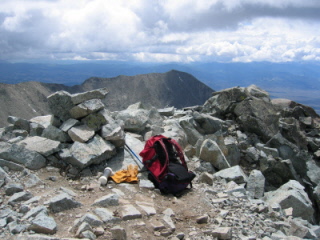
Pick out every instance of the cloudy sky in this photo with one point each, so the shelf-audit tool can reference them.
(160, 30)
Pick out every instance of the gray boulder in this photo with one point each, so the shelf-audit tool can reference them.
(313, 172)
(135, 120)
(300, 230)
(257, 92)
(95, 121)
(206, 177)
(83, 228)
(255, 184)
(285, 148)
(85, 96)
(291, 108)
(81, 133)
(62, 202)
(94, 151)
(232, 152)
(91, 219)
(13, 188)
(211, 152)
(190, 126)
(15, 227)
(207, 124)
(268, 151)
(56, 134)
(35, 211)
(114, 132)
(167, 112)
(277, 171)
(19, 154)
(290, 129)
(60, 104)
(4, 177)
(19, 123)
(173, 129)
(222, 102)
(19, 197)
(42, 223)
(154, 117)
(36, 129)
(252, 155)
(46, 121)
(234, 174)
(42, 145)
(292, 195)
(257, 116)
(107, 201)
(86, 108)
(71, 122)
(11, 165)
(106, 215)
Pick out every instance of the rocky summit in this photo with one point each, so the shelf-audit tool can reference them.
(256, 161)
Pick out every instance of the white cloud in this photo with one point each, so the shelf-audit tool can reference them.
(143, 30)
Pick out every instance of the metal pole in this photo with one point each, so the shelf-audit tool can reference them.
(133, 153)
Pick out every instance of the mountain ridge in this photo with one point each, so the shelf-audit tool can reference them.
(173, 88)
(297, 81)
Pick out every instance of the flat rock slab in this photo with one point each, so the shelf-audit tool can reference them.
(147, 207)
(86, 108)
(69, 124)
(129, 212)
(19, 154)
(106, 215)
(94, 94)
(11, 165)
(91, 219)
(62, 202)
(94, 151)
(107, 201)
(44, 146)
(44, 121)
(19, 197)
(35, 211)
(42, 223)
(81, 133)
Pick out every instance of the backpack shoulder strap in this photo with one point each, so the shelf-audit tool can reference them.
(165, 165)
(179, 152)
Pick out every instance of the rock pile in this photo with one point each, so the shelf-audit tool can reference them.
(256, 162)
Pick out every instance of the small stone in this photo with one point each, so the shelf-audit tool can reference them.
(180, 235)
(203, 219)
(43, 224)
(146, 184)
(168, 212)
(52, 178)
(18, 197)
(206, 177)
(88, 235)
(99, 231)
(288, 211)
(129, 212)
(107, 201)
(156, 225)
(82, 228)
(118, 233)
(222, 233)
(13, 188)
